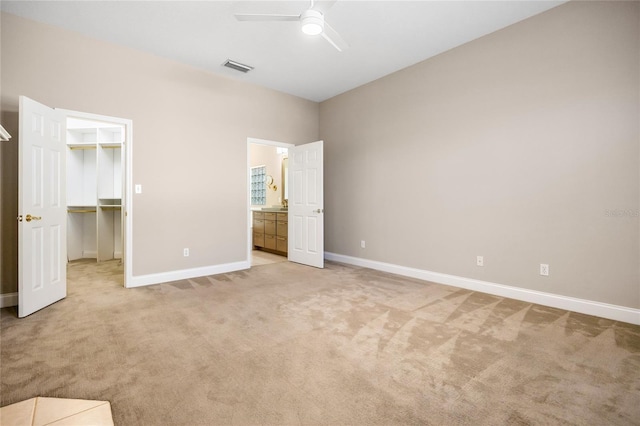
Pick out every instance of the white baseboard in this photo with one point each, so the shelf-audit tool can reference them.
(599, 309)
(8, 299)
(183, 274)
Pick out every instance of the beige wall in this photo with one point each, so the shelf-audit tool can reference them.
(266, 155)
(190, 139)
(522, 146)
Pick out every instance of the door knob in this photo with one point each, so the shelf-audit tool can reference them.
(318, 211)
(29, 218)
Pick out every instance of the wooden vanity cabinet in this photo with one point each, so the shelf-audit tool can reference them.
(270, 231)
(282, 232)
(258, 229)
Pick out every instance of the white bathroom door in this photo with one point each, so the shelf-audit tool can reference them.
(42, 215)
(306, 204)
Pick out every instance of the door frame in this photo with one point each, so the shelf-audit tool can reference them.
(127, 255)
(256, 141)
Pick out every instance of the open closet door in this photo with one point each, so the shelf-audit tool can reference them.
(306, 204)
(42, 220)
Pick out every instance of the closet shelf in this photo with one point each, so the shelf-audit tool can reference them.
(79, 146)
(77, 210)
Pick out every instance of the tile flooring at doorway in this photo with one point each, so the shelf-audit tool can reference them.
(41, 411)
(259, 257)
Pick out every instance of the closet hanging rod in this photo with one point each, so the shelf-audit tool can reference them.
(81, 210)
(82, 147)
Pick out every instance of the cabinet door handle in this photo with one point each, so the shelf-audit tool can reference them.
(29, 218)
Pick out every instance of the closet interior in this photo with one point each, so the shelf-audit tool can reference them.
(95, 189)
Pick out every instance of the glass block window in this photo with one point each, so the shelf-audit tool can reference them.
(259, 186)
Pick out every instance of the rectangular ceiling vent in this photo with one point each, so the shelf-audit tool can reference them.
(237, 66)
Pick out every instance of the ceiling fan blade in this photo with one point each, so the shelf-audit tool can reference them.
(334, 38)
(323, 5)
(266, 18)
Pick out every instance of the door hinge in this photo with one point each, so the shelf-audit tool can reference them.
(20, 218)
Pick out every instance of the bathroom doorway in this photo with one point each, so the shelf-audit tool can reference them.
(267, 195)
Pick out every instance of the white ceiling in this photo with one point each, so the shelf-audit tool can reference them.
(384, 36)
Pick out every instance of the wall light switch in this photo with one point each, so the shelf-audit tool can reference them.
(138, 189)
(479, 260)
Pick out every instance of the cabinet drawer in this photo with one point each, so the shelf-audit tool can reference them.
(270, 227)
(284, 217)
(258, 239)
(270, 242)
(282, 229)
(258, 215)
(258, 225)
(269, 216)
(282, 244)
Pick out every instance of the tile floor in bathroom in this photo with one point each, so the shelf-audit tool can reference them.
(259, 257)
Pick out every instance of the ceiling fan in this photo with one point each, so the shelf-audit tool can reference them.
(312, 22)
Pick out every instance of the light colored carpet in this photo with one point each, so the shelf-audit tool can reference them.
(289, 344)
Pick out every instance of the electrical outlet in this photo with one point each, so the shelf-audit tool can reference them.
(544, 269)
(362, 244)
(186, 252)
(480, 260)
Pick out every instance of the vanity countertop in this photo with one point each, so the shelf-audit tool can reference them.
(269, 209)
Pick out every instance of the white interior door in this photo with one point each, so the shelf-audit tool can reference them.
(42, 236)
(306, 204)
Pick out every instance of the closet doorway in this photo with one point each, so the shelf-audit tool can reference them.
(73, 202)
(98, 162)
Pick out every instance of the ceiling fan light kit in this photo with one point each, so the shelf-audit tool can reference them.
(312, 22)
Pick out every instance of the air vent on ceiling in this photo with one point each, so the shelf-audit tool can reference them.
(237, 66)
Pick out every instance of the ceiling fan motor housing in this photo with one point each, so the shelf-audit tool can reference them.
(312, 22)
